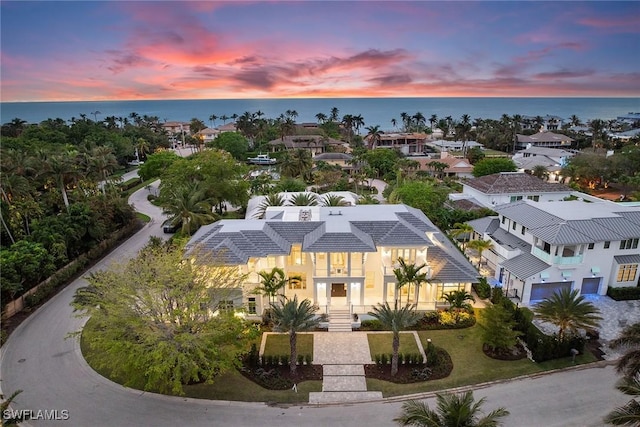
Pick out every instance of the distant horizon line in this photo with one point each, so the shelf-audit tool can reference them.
(324, 97)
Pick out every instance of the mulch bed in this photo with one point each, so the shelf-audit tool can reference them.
(280, 377)
(413, 373)
(515, 353)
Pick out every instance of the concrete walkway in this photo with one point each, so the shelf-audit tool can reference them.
(342, 356)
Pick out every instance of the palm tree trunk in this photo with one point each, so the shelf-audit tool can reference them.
(4, 224)
(394, 356)
(293, 339)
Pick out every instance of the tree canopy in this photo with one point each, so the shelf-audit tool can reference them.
(232, 142)
(490, 166)
(162, 321)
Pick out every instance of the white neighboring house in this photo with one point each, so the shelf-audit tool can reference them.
(496, 189)
(543, 139)
(541, 248)
(553, 159)
(208, 134)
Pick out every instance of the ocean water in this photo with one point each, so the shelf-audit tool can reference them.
(375, 111)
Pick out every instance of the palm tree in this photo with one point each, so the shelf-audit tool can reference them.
(296, 163)
(103, 162)
(271, 282)
(191, 206)
(540, 171)
(461, 229)
(629, 363)
(321, 117)
(373, 135)
(569, 311)
(629, 414)
(458, 301)
(453, 410)
(368, 199)
(62, 169)
(334, 114)
(294, 317)
(409, 274)
(395, 320)
(304, 199)
(433, 120)
(333, 200)
(480, 246)
(270, 200)
(212, 119)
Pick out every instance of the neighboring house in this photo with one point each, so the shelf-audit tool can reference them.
(553, 159)
(444, 145)
(548, 122)
(406, 143)
(175, 128)
(208, 134)
(456, 167)
(316, 144)
(625, 136)
(541, 248)
(543, 139)
(338, 256)
(228, 127)
(506, 187)
(337, 159)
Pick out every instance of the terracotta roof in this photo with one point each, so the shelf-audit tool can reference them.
(513, 182)
(454, 164)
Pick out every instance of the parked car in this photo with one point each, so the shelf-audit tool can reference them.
(171, 227)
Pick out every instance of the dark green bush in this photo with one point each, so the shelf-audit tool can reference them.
(377, 359)
(300, 359)
(371, 325)
(384, 359)
(308, 359)
(497, 295)
(624, 294)
(482, 288)
(284, 359)
(400, 358)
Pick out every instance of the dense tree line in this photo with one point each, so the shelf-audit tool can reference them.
(52, 204)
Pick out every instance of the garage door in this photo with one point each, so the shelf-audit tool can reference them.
(590, 285)
(545, 290)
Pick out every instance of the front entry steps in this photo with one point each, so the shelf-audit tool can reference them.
(343, 384)
(340, 320)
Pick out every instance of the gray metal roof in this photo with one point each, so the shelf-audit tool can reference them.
(574, 222)
(525, 265)
(487, 224)
(448, 265)
(504, 238)
(627, 259)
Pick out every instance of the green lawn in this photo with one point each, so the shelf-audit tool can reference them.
(381, 344)
(143, 217)
(470, 365)
(278, 344)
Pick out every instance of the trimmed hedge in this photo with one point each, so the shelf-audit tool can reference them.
(624, 294)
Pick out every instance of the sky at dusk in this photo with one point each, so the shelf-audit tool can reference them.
(122, 50)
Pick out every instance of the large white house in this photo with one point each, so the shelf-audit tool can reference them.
(338, 256)
(496, 189)
(540, 248)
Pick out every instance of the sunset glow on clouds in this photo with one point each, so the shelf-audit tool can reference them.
(216, 50)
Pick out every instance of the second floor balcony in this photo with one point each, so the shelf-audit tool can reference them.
(556, 260)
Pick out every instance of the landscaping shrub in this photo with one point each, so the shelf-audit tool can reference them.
(384, 359)
(284, 359)
(400, 358)
(432, 320)
(482, 288)
(497, 295)
(624, 294)
(308, 359)
(300, 359)
(377, 359)
(371, 325)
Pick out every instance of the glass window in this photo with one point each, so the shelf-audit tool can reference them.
(504, 219)
(513, 225)
(252, 305)
(445, 288)
(591, 245)
(296, 257)
(409, 255)
(627, 272)
(522, 230)
(370, 280)
(629, 244)
(298, 281)
(607, 244)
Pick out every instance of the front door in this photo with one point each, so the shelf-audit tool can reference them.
(338, 294)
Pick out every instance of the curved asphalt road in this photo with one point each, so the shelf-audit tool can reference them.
(50, 369)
